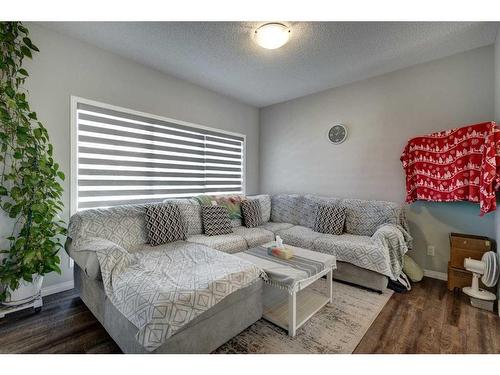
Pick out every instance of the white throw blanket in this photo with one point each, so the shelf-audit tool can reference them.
(397, 241)
(161, 290)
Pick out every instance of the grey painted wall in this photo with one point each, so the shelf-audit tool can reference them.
(66, 67)
(381, 114)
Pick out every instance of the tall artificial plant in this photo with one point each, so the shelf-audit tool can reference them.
(30, 190)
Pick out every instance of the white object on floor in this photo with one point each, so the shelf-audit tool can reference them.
(37, 304)
(486, 268)
(25, 293)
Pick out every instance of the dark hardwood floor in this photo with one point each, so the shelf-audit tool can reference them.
(429, 319)
(64, 325)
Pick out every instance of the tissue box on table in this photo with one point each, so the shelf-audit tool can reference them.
(283, 253)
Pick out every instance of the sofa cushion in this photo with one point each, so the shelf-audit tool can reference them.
(190, 212)
(252, 214)
(165, 224)
(216, 220)
(254, 236)
(309, 207)
(228, 243)
(265, 205)
(275, 227)
(285, 208)
(358, 250)
(364, 217)
(299, 236)
(330, 219)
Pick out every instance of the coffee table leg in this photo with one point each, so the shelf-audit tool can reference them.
(292, 313)
(329, 282)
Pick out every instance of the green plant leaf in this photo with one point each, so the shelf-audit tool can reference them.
(22, 29)
(26, 51)
(10, 91)
(14, 211)
(28, 43)
(38, 133)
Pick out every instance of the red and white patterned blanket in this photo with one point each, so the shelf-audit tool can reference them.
(455, 165)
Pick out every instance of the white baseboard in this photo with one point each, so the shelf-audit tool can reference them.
(436, 275)
(56, 288)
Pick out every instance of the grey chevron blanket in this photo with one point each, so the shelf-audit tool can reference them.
(396, 240)
(161, 290)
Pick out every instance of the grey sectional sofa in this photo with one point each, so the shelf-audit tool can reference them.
(362, 254)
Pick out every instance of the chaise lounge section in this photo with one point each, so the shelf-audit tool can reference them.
(124, 227)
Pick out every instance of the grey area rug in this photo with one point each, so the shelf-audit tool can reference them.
(335, 329)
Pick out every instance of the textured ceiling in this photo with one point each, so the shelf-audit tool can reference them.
(320, 55)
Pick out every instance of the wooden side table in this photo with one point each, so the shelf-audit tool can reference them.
(464, 246)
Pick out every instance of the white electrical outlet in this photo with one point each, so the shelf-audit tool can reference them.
(431, 250)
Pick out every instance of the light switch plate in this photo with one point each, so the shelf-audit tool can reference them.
(431, 250)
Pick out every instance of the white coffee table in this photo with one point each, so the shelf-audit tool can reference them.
(289, 301)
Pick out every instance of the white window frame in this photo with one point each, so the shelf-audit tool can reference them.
(74, 141)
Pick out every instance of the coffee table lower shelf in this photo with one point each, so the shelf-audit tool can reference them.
(303, 304)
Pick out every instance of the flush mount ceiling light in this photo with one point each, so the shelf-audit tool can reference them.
(272, 35)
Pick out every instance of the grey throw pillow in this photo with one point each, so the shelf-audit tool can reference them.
(216, 220)
(330, 219)
(252, 213)
(165, 224)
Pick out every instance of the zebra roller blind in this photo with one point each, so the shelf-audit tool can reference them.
(124, 158)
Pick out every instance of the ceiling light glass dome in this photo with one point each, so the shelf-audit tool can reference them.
(272, 35)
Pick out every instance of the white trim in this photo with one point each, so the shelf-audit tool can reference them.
(57, 288)
(73, 195)
(436, 275)
(244, 166)
(74, 141)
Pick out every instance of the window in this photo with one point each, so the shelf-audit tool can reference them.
(125, 157)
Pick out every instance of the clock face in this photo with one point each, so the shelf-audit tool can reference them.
(337, 134)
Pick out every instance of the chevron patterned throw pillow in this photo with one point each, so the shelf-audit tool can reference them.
(252, 213)
(165, 224)
(330, 219)
(216, 220)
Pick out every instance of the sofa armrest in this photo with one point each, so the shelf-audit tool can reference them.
(389, 231)
(83, 252)
(396, 241)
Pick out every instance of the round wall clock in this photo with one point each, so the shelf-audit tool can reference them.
(337, 134)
